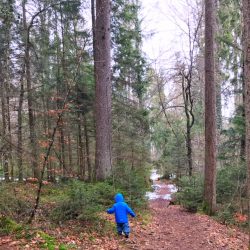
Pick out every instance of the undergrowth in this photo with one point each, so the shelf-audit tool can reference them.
(231, 195)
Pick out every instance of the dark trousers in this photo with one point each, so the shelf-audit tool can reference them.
(123, 227)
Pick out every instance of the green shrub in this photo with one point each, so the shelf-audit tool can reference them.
(231, 192)
(9, 226)
(190, 194)
(50, 242)
(225, 214)
(63, 247)
(84, 201)
(229, 180)
(132, 183)
(11, 204)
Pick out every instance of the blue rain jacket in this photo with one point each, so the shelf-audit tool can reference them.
(121, 209)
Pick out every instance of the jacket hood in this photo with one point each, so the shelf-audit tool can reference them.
(119, 198)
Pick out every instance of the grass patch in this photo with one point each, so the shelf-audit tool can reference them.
(15, 201)
(9, 226)
(49, 242)
(145, 217)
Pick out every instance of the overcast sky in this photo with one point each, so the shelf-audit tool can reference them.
(163, 27)
(164, 30)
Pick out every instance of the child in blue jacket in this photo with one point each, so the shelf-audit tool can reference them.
(121, 209)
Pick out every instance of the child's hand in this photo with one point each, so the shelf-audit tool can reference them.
(110, 210)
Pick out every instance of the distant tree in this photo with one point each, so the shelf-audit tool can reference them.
(31, 105)
(210, 110)
(4, 128)
(130, 85)
(230, 58)
(129, 63)
(6, 24)
(187, 74)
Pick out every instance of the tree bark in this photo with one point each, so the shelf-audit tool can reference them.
(246, 45)
(243, 112)
(210, 110)
(103, 90)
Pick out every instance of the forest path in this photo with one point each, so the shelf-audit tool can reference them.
(173, 228)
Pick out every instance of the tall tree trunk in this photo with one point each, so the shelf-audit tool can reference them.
(188, 107)
(62, 89)
(243, 137)
(70, 154)
(33, 137)
(103, 91)
(218, 75)
(93, 15)
(87, 148)
(5, 89)
(246, 45)
(20, 129)
(47, 126)
(210, 110)
(189, 151)
(62, 149)
(8, 89)
(81, 170)
(243, 98)
(4, 125)
(9, 132)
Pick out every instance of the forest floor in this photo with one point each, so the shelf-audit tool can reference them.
(165, 227)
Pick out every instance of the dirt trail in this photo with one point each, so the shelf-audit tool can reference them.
(173, 228)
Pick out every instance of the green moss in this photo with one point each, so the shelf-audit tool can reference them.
(49, 241)
(9, 226)
(144, 217)
(63, 247)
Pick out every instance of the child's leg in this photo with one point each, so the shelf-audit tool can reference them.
(126, 229)
(119, 227)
